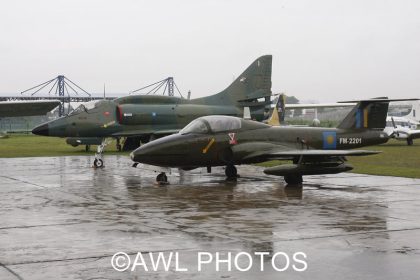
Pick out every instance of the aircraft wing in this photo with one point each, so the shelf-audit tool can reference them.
(287, 154)
(405, 134)
(342, 103)
(414, 134)
(27, 108)
(145, 132)
(323, 153)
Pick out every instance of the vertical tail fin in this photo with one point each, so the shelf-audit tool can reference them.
(281, 107)
(252, 84)
(278, 114)
(274, 119)
(367, 114)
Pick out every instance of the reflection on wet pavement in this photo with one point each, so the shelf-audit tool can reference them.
(60, 218)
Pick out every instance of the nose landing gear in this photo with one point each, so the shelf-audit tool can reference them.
(99, 162)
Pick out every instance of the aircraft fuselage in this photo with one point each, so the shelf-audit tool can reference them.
(234, 147)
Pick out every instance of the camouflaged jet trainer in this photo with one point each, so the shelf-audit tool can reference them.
(144, 117)
(229, 141)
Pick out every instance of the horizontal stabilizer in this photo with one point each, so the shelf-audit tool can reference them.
(380, 99)
(320, 105)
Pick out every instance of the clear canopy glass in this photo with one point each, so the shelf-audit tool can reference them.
(212, 124)
(85, 107)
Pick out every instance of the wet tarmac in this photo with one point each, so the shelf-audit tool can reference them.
(62, 219)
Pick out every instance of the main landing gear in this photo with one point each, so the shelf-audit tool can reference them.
(162, 178)
(410, 142)
(293, 179)
(231, 171)
(119, 146)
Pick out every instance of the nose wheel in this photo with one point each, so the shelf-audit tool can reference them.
(98, 163)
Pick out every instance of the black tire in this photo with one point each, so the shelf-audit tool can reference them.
(231, 171)
(98, 163)
(162, 178)
(410, 142)
(293, 179)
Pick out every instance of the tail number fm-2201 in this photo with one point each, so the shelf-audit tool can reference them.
(351, 141)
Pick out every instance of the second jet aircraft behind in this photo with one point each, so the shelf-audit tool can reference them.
(139, 116)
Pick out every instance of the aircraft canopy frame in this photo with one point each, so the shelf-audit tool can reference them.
(212, 124)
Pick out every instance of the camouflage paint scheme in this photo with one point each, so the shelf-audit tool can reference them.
(139, 115)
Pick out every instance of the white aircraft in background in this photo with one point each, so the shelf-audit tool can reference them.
(402, 128)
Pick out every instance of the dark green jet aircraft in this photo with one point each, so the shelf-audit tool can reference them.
(140, 117)
(223, 140)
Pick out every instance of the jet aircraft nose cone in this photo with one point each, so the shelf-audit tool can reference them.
(41, 130)
(132, 156)
(144, 154)
(137, 154)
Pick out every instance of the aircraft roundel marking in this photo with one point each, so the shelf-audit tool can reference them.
(330, 139)
(106, 114)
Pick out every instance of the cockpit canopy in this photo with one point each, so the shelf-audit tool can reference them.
(86, 106)
(212, 124)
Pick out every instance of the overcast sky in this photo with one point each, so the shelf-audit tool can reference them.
(322, 50)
